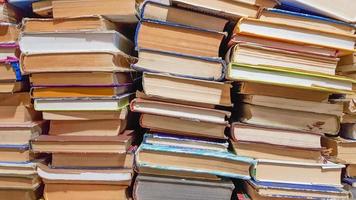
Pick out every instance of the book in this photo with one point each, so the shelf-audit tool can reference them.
(350, 181)
(43, 8)
(270, 190)
(155, 187)
(25, 169)
(179, 110)
(170, 87)
(341, 149)
(179, 39)
(10, 72)
(117, 11)
(77, 92)
(85, 115)
(288, 78)
(254, 88)
(327, 174)
(283, 45)
(72, 79)
(84, 42)
(168, 158)
(22, 133)
(23, 194)
(276, 152)
(50, 25)
(348, 131)
(20, 182)
(159, 12)
(265, 134)
(283, 119)
(92, 160)
(227, 9)
(87, 127)
(350, 171)
(184, 127)
(306, 20)
(79, 176)
(12, 86)
(74, 62)
(292, 104)
(115, 103)
(15, 153)
(9, 33)
(180, 65)
(58, 191)
(185, 142)
(344, 11)
(82, 144)
(284, 32)
(8, 13)
(254, 54)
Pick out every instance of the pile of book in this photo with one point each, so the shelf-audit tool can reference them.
(19, 123)
(284, 64)
(78, 65)
(184, 102)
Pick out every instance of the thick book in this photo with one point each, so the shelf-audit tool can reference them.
(175, 88)
(306, 20)
(88, 23)
(288, 119)
(116, 103)
(9, 33)
(75, 62)
(290, 78)
(344, 11)
(21, 133)
(179, 39)
(180, 65)
(347, 65)
(292, 104)
(15, 153)
(9, 70)
(85, 115)
(76, 176)
(150, 187)
(159, 12)
(289, 33)
(263, 89)
(180, 111)
(186, 141)
(255, 54)
(343, 150)
(71, 42)
(327, 174)
(78, 92)
(276, 152)
(87, 127)
(169, 158)
(73, 79)
(117, 11)
(82, 144)
(269, 190)
(265, 134)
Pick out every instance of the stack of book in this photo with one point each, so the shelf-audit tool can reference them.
(284, 64)
(184, 154)
(19, 123)
(80, 76)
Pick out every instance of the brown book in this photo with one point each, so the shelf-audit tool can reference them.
(92, 160)
(188, 90)
(20, 182)
(80, 79)
(86, 115)
(83, 144)
(7, 72)
(154, 11)
(180, 40)
(21, 133)
(9, 33)
(265, 134)
(43, 8)
(117, 11)
(87, 127)
(280, 91)
(15, 155)
(58, 191)
(74, 62)
(276, 152)
(351, 170)
(22, 194)
(12, 86)
(288, 119)
(343, 150)
(175, 125)
(90, 23)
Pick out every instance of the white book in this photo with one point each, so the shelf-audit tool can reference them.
(103, 41)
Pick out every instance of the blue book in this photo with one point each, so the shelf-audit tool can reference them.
(350, 181)
(170, 158)
(20, 147)
(298, 191)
